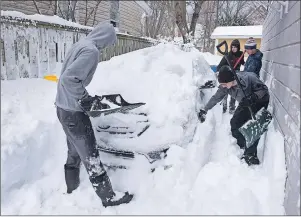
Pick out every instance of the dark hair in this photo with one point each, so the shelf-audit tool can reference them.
(235, 43)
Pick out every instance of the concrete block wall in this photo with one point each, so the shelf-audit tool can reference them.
(281, 71)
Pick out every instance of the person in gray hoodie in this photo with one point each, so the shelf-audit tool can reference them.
(257, 97)
(77, 72)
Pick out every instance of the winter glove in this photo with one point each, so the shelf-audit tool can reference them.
(92, 103)
(208, 84)
(202, 115)
(248, 101)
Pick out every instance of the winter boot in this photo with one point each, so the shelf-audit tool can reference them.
(251, 159)
(231, 110)
(125, 197)
(241, 146)
(71, 178)
(104, 190)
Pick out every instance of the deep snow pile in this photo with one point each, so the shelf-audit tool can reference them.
(160, 76)
(207, 176)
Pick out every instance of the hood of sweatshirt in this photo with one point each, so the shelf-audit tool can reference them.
(103, 35)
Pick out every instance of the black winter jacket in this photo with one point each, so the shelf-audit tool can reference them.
(233, 57)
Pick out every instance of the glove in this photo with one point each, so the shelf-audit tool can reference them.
(202, 115)
(92, 103)
(248, 101)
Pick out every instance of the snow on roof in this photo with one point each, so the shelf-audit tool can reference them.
(44, 18)
(237, 32)
(145, 7)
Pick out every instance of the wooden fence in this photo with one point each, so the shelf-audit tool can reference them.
(33, 49)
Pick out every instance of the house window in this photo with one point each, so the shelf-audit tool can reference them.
(114, 13)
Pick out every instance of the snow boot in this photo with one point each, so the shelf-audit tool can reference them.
(241, 146)
(231, 110)
(251, 159)
(71, 178)
(117, 200)
(104, 190)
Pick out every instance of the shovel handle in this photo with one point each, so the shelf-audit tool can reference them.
(251, 112)
(239, 59)
(220, 45)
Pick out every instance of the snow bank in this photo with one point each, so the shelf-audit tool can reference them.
(161, 77)
(207, 177)
(44, 18)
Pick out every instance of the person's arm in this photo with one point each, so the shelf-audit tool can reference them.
(216, 98)
(78, 71)
(251, 67)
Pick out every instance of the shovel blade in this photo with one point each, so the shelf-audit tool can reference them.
(253, 129)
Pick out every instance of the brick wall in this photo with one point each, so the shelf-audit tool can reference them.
(281, 71)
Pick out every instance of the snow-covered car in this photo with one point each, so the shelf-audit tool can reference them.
(165, 78)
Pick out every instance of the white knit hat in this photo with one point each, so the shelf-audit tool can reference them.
(250, 44)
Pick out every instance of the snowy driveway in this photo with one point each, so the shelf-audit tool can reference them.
(207, 176)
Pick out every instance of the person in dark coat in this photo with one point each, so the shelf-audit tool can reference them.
(77, 72)
(254, 61)
(233, 57)
(257, 97)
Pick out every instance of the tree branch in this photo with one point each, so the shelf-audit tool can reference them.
(35, 4)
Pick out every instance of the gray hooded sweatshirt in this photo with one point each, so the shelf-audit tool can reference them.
(250, 83)
(80, 64)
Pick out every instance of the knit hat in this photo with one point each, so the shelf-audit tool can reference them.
(235, 43)
(250, 44)
(225, 74)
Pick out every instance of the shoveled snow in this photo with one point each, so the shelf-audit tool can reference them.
(206, 177)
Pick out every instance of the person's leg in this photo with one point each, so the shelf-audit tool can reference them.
(80, 134)
(72, 165)
(232, 106)
(250, 154)
(225, 103)
(72, 168)
(240, 116)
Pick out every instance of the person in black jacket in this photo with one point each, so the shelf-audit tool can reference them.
(233, 57)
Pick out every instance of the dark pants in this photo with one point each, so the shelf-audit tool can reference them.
(82, 147)
(232, 103)
(240, 117)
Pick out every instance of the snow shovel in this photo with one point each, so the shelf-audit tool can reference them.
(253, 129)
(107, 104)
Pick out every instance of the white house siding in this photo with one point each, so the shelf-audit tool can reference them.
(281, 69)
(28, 7)
(102, 12)
(130, 17)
